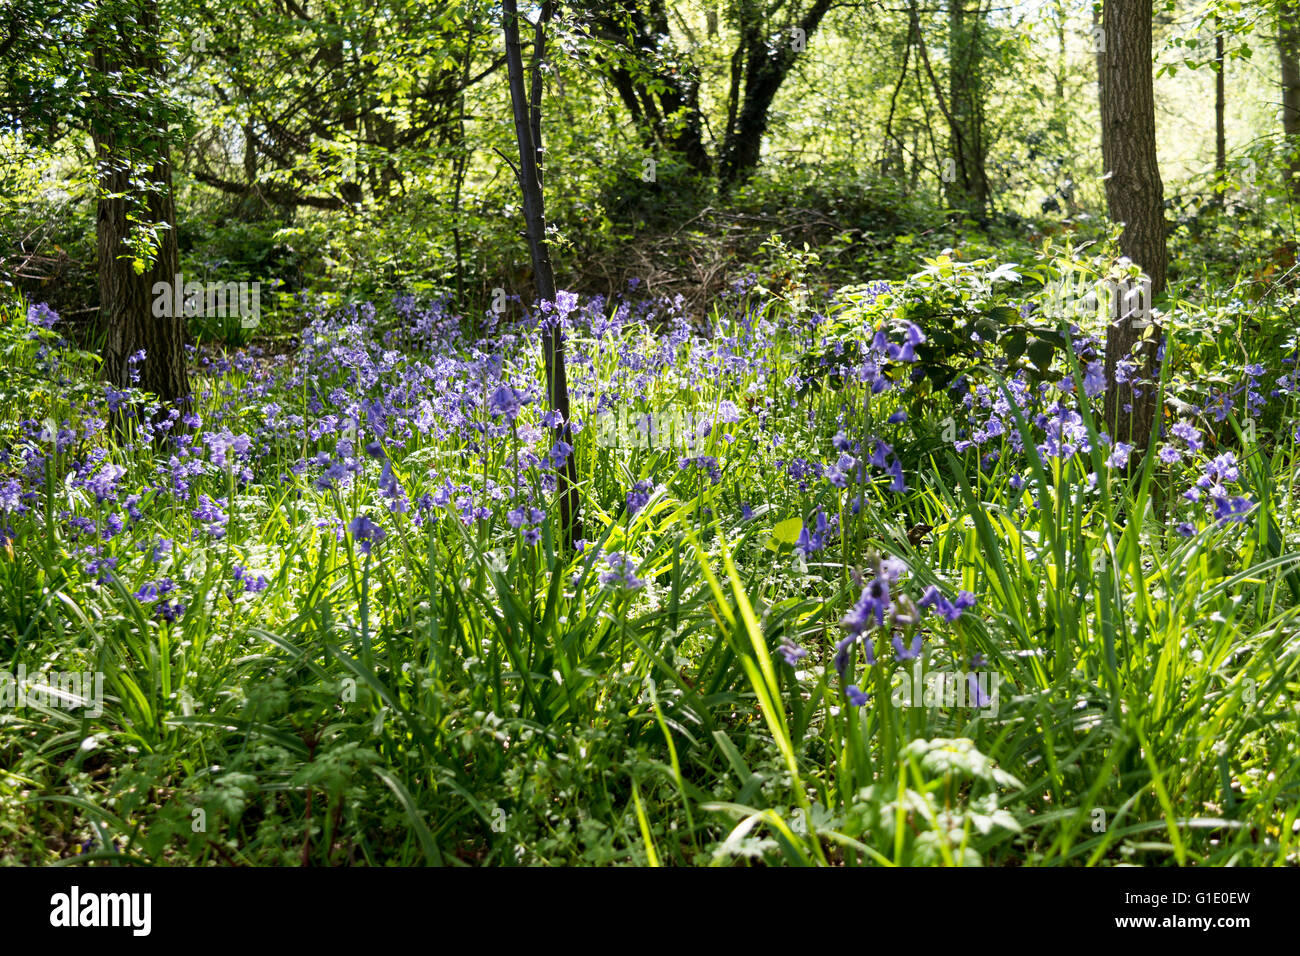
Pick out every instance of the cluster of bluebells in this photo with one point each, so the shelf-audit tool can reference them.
(159, 594)
(211, 514)
(639, 495)
(1217, 484)
(850, 465)
(1054, 414)
(884, 609)
(817, 532)
(620, 573)
(1189, 442)
(366, 533)
(1222, 401)
(251, 583)
(354, 402)
(702, 464)
(42, 315)
(527, 520)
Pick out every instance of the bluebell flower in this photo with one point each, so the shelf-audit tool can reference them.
(621, 574)
(103, 484)
(366, 533)
(559, 454)
(906, 653)
(42, 315)
(504, 400)
(639, 496)
(947, 610)
(1189, 434)
(1094, 379)
(792, 652)
(1231, 509)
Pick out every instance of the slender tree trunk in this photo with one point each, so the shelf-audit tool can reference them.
(1289, 53)
(1135, 196)
(528, 125)
(960, 190)
(1099, 51)
(1061, 16)
(1220, 131)
(892, 147)
(967, 189)
(126, 297)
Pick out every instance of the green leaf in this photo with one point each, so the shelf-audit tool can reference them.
(1040, 353)
(788, 531)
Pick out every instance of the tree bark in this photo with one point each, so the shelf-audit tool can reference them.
(1135, 196)
(126, 297)
(765, 68)
(677, 122)
(1220, 131)
(969, 190)
(1289, 54)
(527, 117)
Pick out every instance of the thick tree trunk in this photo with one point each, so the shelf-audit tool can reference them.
(766, 66)
(126, 297)
(1135, 196)
(527, 117)
(1289, 53)
(676, 121)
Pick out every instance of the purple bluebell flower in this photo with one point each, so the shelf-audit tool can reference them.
(366, 533)
(621, 574)
(504, 400)
(42, 315)
(792, 652)
(905, 652)
(560, 452)
(639, 496)
(1094, 379)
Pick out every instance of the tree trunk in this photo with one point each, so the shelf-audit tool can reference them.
(527, 117)
(765, 68)
(1220, 132)
(126, 297)
(1289, 53)
(1135, 196)
(968, 190)
(1099, 52)
(965, 181)
(1061, 16)
(677, 122)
